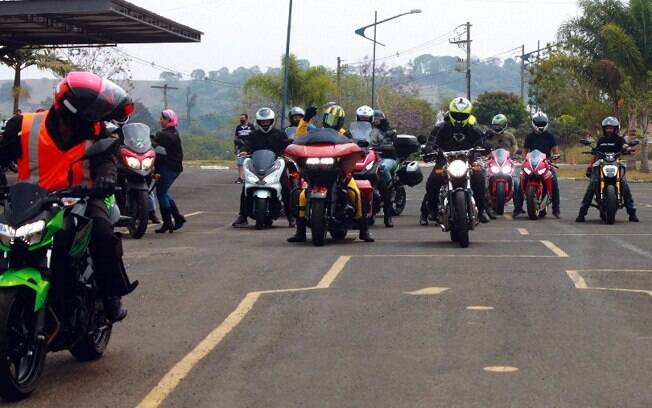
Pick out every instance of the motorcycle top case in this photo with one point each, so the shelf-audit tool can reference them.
(406, 145)
(410, 174)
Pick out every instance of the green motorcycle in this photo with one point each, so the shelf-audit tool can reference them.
(49, 300)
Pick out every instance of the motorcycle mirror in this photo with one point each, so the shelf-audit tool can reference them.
(363, 143)
(634, 143)
(99, 148)
(586, 142)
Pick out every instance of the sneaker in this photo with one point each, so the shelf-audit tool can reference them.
(580, 218)
(239, 180)
(516, 212)
(240, 222)
(483, 217)
(423, 219)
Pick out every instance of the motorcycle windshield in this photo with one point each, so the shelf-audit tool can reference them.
(137, 137)
(360, 131)
(25, 202)
(322, 136)
(501, 156)
(263, 160)
(291, 132)
(535, 158)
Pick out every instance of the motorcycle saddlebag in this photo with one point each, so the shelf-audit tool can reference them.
(406, 145)
(410, 174)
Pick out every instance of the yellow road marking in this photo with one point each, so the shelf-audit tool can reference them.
(555, 249)
(500, 369)
(508, 216)
(522, 231)
(332, 273)
(180, 370)
(647, 292)
(577, 279)
(614, 270)
(427, 291)
(479, 308)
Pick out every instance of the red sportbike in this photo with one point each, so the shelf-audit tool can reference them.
(368, 168)
(326, 160)
(500, 170)
(536, 183)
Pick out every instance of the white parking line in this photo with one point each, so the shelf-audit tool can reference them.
(522, 231)
(555, 249)
(580, 283)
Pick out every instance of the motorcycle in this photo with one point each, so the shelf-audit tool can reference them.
(500, 170)
(608, 197)
(135, 167)
(326, 160)
(262, 182)
(369, 166)
(406, 173)
(536, 183)
(458, 213)
(42, 309)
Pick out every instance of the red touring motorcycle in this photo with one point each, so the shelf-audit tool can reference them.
(326, 160)
(500, 169)
(368, 168)
(536, 183)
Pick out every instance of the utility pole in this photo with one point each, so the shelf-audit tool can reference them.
(523, 73)
(339, 77)
(534, 57)
(373, 65)
(465, 44)
(287, 68)
(165, 88)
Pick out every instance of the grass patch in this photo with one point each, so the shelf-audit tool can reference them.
(632, 175)
(210, 162)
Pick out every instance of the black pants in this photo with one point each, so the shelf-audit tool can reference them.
(594, 186)
(433, 186)
(285, 193)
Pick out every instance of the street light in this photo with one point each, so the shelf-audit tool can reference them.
(360, 32)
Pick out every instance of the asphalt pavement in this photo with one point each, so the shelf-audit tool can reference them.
(546, 313)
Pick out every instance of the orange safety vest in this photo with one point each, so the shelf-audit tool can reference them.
(42, 162)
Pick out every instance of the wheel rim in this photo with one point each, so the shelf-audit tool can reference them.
(22, 351)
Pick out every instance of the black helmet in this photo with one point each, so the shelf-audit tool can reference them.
(378, 116)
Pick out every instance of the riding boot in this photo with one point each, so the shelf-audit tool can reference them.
(365, 235)
(581, 217)
(153, 218)
(300, 234)
(167, 222)
(113, 308)
(490, 212)
(179, 219)
(387, 212)
(632, 215)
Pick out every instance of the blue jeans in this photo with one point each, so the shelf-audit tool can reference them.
(518, 194)
(151, 200)
(388, 166)
(163, 187)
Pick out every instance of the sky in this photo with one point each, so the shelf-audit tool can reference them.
(252, 32)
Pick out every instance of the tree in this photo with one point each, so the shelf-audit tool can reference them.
(106, 62)
(568, 131)
(490, 104)
(191, 102)
(20, 58)
(143, 115)
(198, 75)
(168, 76)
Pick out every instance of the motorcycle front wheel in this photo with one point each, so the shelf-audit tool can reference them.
(460, 225)
(22, 356)
(261, 212)
(611, 204)
(532, 203)
(399, 201)
(318, 222)
(138, 212)
(500, 198)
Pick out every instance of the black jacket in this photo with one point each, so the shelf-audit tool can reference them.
(10, 148)
(449, 138)
(276, 140)
(169, 138)
(611, 144)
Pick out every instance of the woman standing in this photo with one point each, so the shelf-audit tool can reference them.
(168, 169)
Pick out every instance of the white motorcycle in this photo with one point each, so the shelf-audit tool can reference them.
(262, 182)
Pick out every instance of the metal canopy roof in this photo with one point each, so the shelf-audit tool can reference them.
(86, 22)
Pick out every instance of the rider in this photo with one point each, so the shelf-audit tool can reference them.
(546, 142)
(333, 121)
(456, 133)
(295, 116)
(383, 139)
(498, 137)
(46, 144)
(610, 142)
(265, 137)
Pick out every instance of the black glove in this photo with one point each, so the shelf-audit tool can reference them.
(105, 184)
(589, 172)
(311, 112)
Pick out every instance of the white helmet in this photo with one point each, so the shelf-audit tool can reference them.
(364, 114)
(540, 122)
(265, 114)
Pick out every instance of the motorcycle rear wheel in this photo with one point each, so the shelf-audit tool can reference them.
(399, 201)
(460, 225)
(22, 357)
(500, 199)
(138, 212)
(318, 222)
(93, 345)
(532, 212)
(611, 204)
(261, 212)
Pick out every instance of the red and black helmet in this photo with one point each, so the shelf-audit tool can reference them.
(92, 98)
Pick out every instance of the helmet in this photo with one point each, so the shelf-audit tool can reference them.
(265, 119)
(91, 98)
(459, 111)
(378, 116)
(334, 117)
(296, 111)
(610, 121)
(499, 123)
(364, 114)
(540, 122)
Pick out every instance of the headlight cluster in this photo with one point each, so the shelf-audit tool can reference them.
(137, 164)
(542, 171)
(30, 234)
(320, 161)
(610, 170)
(457, 168)
(271, 176)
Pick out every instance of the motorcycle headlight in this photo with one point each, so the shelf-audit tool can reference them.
(542, 171)
(527, 171)
(457, 169)
(495, 169)
(320, 161)
(31, 233)
(507, 169)
(274, 175)
(148, 163)
(250, 177)
(133, 162)
(610, 170)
